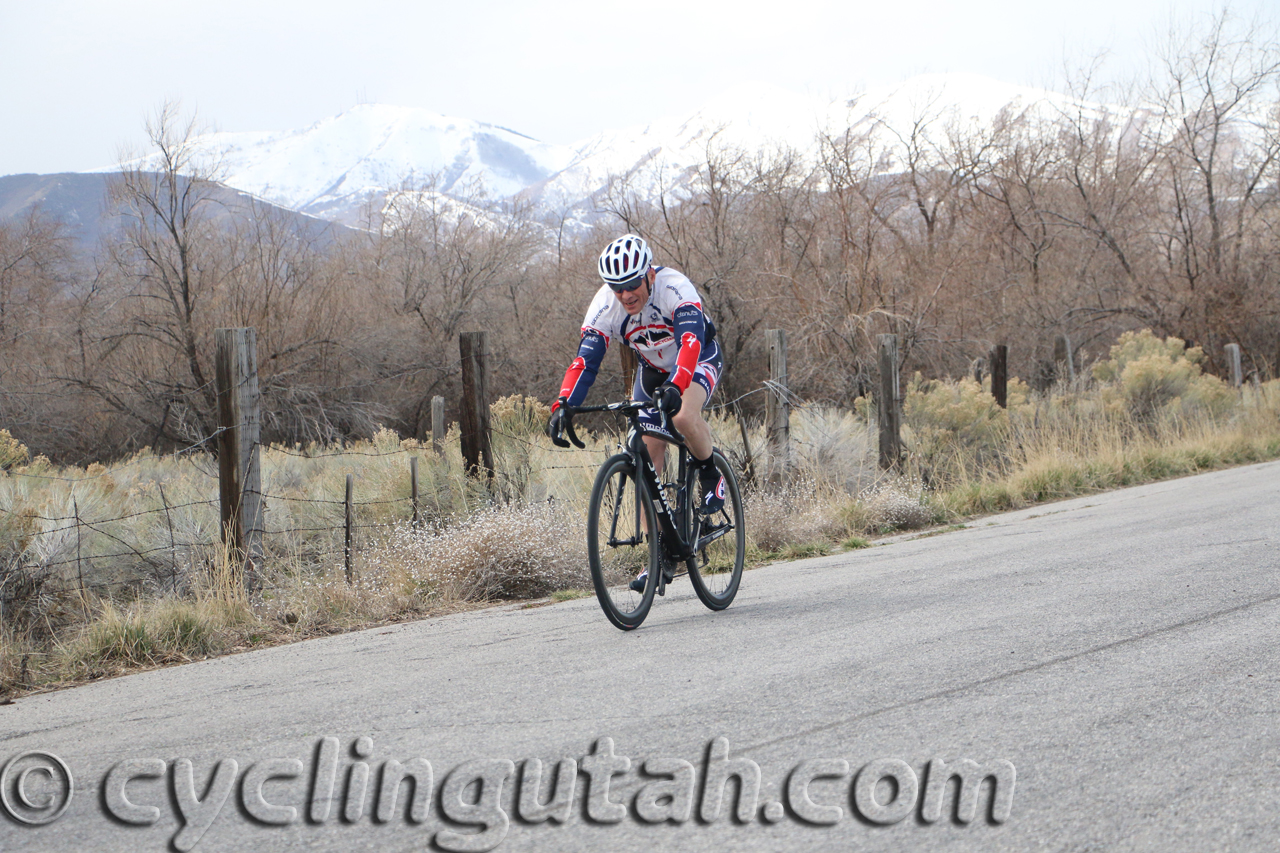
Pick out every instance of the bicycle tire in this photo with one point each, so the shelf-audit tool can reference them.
(618, 552)
(716, 567)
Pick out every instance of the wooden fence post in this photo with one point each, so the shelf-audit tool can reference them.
(438, 427)
(346, 550)
(84, 595)
(413, 487)
(1233, 360)
(999, 361)
(778, 407)
(1064, 365)
(629, 365)
(890, 416)
(239, 466)
(748, 461)
(474, 420)
(173, 542)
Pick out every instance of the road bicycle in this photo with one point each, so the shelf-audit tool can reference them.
(637, 522)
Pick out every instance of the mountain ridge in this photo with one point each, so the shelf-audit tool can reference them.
(79, 200)
(341, 168)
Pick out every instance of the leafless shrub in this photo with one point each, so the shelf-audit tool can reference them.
(895, 504)
(515, 551)
(799, 513)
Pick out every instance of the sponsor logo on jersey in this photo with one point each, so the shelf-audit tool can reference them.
(651, 337)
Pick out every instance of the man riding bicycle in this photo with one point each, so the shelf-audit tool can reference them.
(657, 312)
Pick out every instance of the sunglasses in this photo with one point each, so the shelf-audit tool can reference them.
(628, 286)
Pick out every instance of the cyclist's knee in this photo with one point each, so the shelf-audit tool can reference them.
(687, 418)
(694, 398)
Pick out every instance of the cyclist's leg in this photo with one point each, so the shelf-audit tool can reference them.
(690, 423)
(689, 420)
(657, 452)
(646, 383)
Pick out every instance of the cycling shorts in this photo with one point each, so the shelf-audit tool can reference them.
(707, 374)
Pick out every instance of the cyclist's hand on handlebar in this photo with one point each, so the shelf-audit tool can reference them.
(556, 426)
(668, 398)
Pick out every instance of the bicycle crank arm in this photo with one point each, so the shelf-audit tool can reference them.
(713, 536)
(681, 556)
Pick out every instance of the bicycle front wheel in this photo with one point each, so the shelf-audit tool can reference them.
(619, 546)
(716, 567)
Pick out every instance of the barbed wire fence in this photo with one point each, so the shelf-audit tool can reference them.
(58, 537)
(61, 538)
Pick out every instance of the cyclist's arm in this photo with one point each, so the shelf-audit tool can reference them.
(691, 331)
(582, 372)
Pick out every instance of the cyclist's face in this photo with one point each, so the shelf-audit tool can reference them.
(634, 300)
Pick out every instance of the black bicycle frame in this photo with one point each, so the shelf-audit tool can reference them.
(640, 452)
(666, 516)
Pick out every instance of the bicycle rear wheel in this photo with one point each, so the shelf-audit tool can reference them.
(716, 567)
(618, 547)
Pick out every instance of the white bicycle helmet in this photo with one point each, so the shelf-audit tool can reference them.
(623, 260)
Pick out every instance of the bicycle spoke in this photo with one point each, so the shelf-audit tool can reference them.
(721, 546)
(617, 506)
(627, 551)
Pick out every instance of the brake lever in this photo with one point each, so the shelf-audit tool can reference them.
(555, 438)
(573, 436)
(665, 421)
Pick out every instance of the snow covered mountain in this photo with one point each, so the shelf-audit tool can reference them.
(754, 119)
(335, 167)
(659, 154)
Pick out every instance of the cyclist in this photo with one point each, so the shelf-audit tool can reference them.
(657, 312)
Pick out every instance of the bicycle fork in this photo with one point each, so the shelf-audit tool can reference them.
(673, 543)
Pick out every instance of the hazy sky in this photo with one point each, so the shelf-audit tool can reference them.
(78, 78)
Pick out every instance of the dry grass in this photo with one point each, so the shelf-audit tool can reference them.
(1065, 463)
(141, 579)
(899, 503)
(501, 552)
(796, 515)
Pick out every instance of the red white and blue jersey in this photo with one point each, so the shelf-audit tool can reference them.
(671, 333)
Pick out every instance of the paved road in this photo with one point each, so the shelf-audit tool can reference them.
(1118, 651)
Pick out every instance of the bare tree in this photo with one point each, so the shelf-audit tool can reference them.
(34, 253)
(36, 270)
(1217, 91)
(151, 365)
(443, 261)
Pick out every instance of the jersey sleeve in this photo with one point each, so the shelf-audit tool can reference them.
(691, 331)
(597, 329)
(581, 374)
(603, 314)
(680, 298)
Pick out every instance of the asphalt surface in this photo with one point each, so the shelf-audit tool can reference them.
(1117, 653)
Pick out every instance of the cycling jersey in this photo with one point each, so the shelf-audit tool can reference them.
(671, 334)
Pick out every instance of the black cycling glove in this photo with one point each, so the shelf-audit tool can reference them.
(555, 426)
(668, 398)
